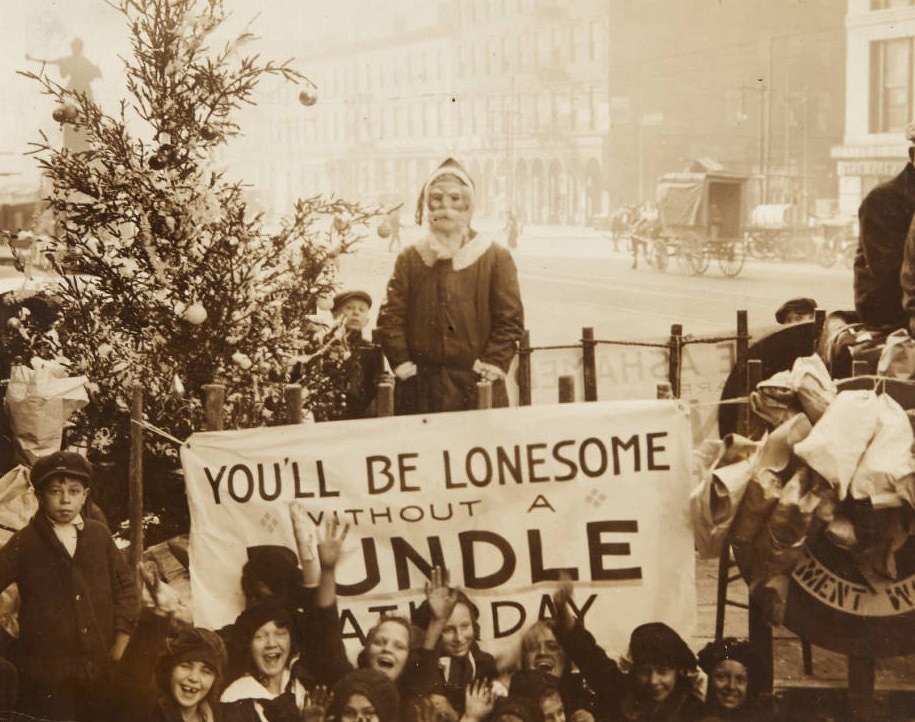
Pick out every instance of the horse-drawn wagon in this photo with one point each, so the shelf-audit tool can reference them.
(700, 218)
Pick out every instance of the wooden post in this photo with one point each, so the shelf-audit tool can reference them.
(589, 363)
(740, 364)
(819, 323)
(135, 477)
(384, 400)
(293, 395)
(760, 631)
(484, 395)
(524, 369)
(214, 400)
(566, 389)
(861, 677)
(675, 345)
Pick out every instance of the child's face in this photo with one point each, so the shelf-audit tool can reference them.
(656, 681)
(728, 683)
(541, 651)
(355, 312)
(553, 710)
(270, 649)
(62, 498)
(388, 649)
(358, 708)
(190, 683)
(457, 636)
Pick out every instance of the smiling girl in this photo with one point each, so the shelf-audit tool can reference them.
(275, 687)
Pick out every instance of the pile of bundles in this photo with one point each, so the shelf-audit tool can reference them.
(837, 463)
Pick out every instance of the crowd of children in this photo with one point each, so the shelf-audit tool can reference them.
(92, 648)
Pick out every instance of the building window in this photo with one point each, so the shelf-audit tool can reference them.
(593, 39)
(891, 85)
(887, 4)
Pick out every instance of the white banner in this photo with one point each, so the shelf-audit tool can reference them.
(505, 499)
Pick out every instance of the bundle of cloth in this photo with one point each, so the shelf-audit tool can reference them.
(836, 463)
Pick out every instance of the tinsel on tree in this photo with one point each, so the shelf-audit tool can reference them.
(169, 282)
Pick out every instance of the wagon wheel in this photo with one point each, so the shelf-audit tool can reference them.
(660, 254)
(695, 254)
(731, 256)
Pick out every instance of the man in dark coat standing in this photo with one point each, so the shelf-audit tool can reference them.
(452, 314)
(885, 216)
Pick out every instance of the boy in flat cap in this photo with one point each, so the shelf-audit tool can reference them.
(452, 314)
(795, 310)
(364, 365)
(78, 597)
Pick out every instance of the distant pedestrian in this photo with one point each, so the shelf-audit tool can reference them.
(512, 230)
(452, 314)
(393, 221)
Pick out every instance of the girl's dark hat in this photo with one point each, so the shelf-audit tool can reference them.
(374, 686)
(656, 643)
(60, 463)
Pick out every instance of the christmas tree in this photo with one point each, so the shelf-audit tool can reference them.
(169, 281)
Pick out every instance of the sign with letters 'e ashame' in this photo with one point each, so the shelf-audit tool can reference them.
(505, 499)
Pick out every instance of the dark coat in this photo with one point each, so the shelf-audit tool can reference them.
(603, 676)
(445, 314)
(884, 217)
(70, 609)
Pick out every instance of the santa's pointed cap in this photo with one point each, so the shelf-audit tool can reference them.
(450, 167)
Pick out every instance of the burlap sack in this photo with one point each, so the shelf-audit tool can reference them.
(836, 444)
(813, 385)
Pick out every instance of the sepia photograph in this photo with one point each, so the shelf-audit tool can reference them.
(457, 361)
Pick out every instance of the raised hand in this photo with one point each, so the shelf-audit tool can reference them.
(163, 599)
(330, 542)
(561, 598)
(478, 700)
(440, 597)
(302, 530)
(317, 702)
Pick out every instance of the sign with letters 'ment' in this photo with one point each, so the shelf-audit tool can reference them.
(505, 499)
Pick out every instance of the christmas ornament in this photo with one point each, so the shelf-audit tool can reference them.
(384, 230)
(195, 314)
(207, 133)
(65, 113)
(177, 389)
(341, 225)
(308, 98)
(156, 162)
(241, 360)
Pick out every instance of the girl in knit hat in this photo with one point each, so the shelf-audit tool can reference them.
(366, 694)
(659, 686)
(662, 667)
(189, 677)
(732, 665)
(171, 671)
